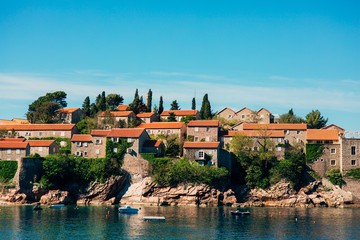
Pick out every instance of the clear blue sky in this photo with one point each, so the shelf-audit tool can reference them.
(274, 54)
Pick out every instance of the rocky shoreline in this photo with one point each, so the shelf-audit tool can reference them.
(118, 190)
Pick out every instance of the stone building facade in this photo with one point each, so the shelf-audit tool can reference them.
(165, 128)
(70, 115)
(43, 147)
(205, 130)
(179, 114)
(14, 150)
(205, 153)
(41, 130)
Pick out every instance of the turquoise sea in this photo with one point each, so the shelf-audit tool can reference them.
(21, 222)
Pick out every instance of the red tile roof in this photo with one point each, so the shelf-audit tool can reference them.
(100, 132)
(118, 114)
(18, 145)
(275, 126)
(180, 112)
(256, 133)
(152, 143)
(40, 143)
(322, 134)
(38, 127)
(204, 123)
(122, 107)
(68, 110)
(333, 126)
(20, 121)
(13, 139)
(162, 125)
(81, 138)
(145, 115)
(201, 144)
(126, 132)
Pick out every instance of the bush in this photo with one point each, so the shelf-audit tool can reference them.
(334, 176)
(355, 173)
(7, 170)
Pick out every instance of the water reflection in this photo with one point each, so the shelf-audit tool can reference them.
(21, 222)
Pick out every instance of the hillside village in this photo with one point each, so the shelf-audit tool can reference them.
(207, 142)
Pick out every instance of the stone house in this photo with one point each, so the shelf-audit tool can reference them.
(333, 126)
(147, 117)
(14, 150)
(165, 128)
(226, 113)
(179, 114)
(98, 143)
(109, 119)
(42, 130)
(294, 132)
(264, 116)
(350, 151)
(203, 130)
(204, 153)
(276, 137)
(70, 115)
(43, 147)
(246, 115)
(82, 145)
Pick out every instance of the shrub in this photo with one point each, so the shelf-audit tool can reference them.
(334, 176)
(355, 173)
(190, 138)
(7, 170)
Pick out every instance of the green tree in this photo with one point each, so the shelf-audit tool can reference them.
(335, 177)
(314, 120)
(174, 105)
(86, 125)
(161, 105)
(187, 119)
(205, 111)
(193, 104)
(149, 101)
(102, 102)
(113, 100)
(86, 106)
(93, 110)
(136, 104)
(290, 117)
(171, 117)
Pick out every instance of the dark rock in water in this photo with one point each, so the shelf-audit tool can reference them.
(56, 197)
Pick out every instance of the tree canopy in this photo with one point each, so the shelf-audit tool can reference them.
(113, 100)
(193, 104)
(174, 105)
(314, 120)
(137, 104)
(149, 101)
(290, 117)
(161, 105)
(205, 111)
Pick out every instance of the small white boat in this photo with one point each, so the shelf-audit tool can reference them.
(57, 206)
(128, 209)
(160, 218)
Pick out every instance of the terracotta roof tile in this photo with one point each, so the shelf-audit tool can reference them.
(204, 123)
(152, 143)
(145, 114)
(162, 125)
(37, 127)
(17, 145)
(20, 121)
(100, 132)
(40, 143)
(201, 144)
(68, 110)
(255, 133)
(7, 122)
(180, 112)
(322, 134)
(126, 132)
(122, 107)
(275, 126)
(81, 138)
(118, 114)
(13, 139)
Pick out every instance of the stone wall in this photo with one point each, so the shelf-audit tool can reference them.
(136, 166)
(347, 156)
(208, 134)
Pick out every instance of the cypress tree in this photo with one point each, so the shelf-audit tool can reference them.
(193, 104)
(202, 110)
(161, 107)
(86, 106)
(149, 101)
(136, 104)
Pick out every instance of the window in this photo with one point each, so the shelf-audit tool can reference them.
(78, 144)
(287, 132)
(321, 160)
(196, 129)
(353, 162)
(63, 143)
(210, 152)
(98, 141)
(78, 153)
(158, 131)
(150, 131)
(40, 149)
(261, 116)
(85, 154)
(115, 150)
(208, 129)
(62, 134)
(332, 162)
(17, 151)
(129, 140)
(97, 151)
(279, 139)
(169, 131)
(297, 132)
(200, 155)
(279, 149)
(316, 160)
(40, 134)
(332, 150)
(229, 116)
(242, 116)
(85, 144)
(208, 139)
(54, 133)
(298, 140)
(9, 151)
(353, 150)
(196, 139)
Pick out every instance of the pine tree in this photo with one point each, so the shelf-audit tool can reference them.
(171, 117)
(86, 106)
(149, 101)
(161, 107)
(174, 105)
(193, 104)
(136, 105)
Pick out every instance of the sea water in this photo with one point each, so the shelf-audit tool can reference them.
(21, 222)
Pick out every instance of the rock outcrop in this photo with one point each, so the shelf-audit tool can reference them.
(56, 197)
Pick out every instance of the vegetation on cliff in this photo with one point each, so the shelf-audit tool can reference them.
(7, 170)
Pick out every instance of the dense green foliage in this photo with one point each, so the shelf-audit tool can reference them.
(313, 151)
(171, 117)
(290, 117)
(168, 173)
(86, 107)
(334, 176)
(86, 125)
(174, 105)
(193, 104)
(161, 105)
(187, 119)
(137, 104)
(355, 173)
(44, 109)
(7, 170)
(205, 111)
(149, 101)
(113, 100)
(314, 120)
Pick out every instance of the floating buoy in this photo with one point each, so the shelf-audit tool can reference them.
(108, 212)
(295, 219)
(37, 212)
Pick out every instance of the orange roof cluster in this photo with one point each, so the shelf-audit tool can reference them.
(12, 145)
(204, 123)
(40, 143)
(68, 110)
(122, 107)
(81, 138)
(14, 121)
(152, 143)
(126, 132)
(103, 133)
(162, 125)
(20, 121)
(322, 134)
(201, 144)
(255, 133)
(118, 114)
(13, 139)
(37, 127)
(180, 112)
(275, 126)
(145, 114)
